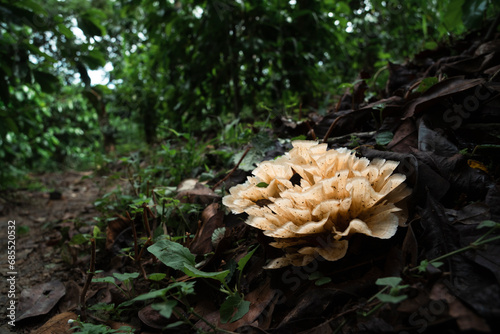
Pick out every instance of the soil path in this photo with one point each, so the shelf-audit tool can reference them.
(44, 220)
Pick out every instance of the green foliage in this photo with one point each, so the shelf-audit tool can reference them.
(233, 308)
(43, 123)
(384, 138)
(178, 257)
(319, 279)
(201, 68)
(89, 328)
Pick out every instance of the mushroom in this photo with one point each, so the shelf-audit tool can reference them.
(312, 199)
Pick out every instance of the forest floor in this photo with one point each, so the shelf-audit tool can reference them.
(439, 118)
(42, 217)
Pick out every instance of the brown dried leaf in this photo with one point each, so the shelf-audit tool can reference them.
(259, 299)
(115, 227)
(466, 318)
(440, 90)
(404, 138)
(71, 299)
(57, 324)
(152, 318)
(211, 218)
(40, 299)
(191, 191)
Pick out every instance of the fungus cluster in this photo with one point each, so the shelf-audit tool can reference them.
(311, 199)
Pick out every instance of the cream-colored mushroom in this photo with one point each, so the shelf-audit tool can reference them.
(336, 195)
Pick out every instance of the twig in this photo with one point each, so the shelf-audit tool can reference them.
(137, 254)
(136, 247)
(146, 221)
(146, 244)
(91, 273)
(311, 130)
(344, 138)
(233, 170)
(330, 129)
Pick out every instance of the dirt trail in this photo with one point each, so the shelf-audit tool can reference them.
(43, 221)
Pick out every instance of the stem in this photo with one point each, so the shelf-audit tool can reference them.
(83, 305)
(342, 324)
(466, 248)
(227, 287)
(232, 170)
(330, 129)
(485, 235)
(373, 310)
(146, 221)
(136, 246)
(378, 293)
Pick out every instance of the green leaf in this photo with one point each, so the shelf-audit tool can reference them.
(385, 298)
(172, 254)
(157, 277)
(125, 276)
(453, 14)
(380, 106)
(427, 83)
(34, 6)
(94, 60)
(65, 31)
(107, 279)
(488, 223)
(436, 264)
(166, 308)
(384, 138)
(175, 324)
(96, 232)
(243, 261)
(262, 185)
(233, 308)
(90, 23)
(390, 281)
(185, 287)
(150, 295)
(422, 267)
(190, 270)
(322, 280)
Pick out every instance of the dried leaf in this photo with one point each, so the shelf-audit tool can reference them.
(437, 92)
(211, 219)
(57, 324)
(40, 299)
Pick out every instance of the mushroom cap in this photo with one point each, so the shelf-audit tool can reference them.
(333, 193)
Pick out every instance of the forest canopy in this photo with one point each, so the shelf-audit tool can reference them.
(179, 69)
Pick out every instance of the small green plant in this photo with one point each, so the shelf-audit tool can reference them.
(178, 257)
(170, 297)
(383, 138)
(494, 226)
(319, 279)
(89, 328)
(354, 141)
(125, 278)
(391, 293)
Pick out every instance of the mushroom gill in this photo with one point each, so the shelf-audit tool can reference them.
(311, 199)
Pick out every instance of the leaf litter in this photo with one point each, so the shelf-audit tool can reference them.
(211, 277)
